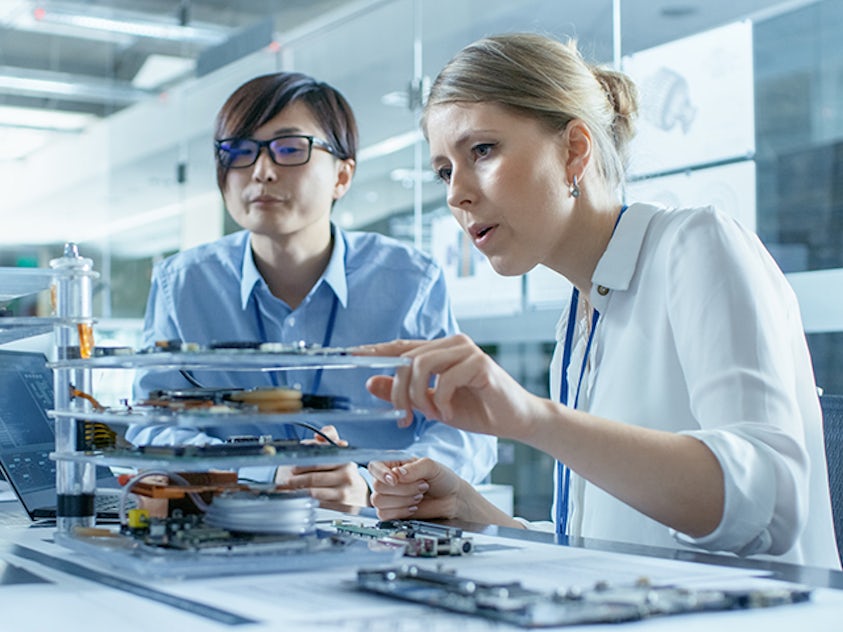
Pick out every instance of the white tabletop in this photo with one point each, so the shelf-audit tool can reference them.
(44, 586)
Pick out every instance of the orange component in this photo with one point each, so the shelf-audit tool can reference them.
(201, 482)
(86, 340)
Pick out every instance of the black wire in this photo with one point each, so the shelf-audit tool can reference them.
(189, 377)
(315, 430)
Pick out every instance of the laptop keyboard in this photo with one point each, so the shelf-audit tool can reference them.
(110, 503)
(12, 515)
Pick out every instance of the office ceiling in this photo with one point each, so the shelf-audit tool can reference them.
(77, 62)
(98, 56)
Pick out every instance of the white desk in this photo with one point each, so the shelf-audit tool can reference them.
(46, 587)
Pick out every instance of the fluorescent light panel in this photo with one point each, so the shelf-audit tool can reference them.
(13, 10)
(18, 143)
(160, 69)
(20, 15)
(131, 23)
(88, 89)
(26, 130)
(41, 119)
(390, 145)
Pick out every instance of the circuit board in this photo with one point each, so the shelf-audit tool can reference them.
(421, 539)
(602, 603)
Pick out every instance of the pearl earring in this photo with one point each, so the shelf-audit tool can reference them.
(574, 188)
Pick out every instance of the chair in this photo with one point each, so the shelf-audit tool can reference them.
(832, 407)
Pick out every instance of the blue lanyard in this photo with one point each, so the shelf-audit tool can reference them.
(317, 379)
(563, 473)
(326, 342)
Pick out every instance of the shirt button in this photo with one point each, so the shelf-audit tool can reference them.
(291, 321)
(602, 290)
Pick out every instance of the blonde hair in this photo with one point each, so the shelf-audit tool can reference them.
(550, 81)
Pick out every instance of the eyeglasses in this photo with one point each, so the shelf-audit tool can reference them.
(290, 150)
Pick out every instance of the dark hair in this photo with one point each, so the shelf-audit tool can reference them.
(547, 80)
(262, 98)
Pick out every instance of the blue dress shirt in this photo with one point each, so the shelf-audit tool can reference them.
(384, 290)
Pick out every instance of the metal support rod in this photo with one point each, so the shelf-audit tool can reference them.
(72, 295)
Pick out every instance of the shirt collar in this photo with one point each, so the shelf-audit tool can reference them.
(334, 275)
(617, 265)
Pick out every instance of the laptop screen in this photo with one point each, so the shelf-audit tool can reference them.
(27, 434)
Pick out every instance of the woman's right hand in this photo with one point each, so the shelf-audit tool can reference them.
(470, 390)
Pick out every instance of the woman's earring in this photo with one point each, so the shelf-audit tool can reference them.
(574, 188)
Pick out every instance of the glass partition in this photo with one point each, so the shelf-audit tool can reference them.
(370, 59)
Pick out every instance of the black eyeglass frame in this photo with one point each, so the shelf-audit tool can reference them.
(312, 141)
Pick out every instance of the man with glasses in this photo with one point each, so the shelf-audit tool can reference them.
(285, 153)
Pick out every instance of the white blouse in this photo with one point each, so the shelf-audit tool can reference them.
(700, 333)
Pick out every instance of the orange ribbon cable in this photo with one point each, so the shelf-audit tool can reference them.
(75, 392)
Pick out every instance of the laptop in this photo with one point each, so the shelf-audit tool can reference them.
(27, 438)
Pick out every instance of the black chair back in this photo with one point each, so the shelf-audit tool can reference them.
(832, 406)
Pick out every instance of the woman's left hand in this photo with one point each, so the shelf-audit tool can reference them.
(425, 489)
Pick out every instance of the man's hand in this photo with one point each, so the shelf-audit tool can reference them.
(336, 483)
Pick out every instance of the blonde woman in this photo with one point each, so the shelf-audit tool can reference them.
(683, 411)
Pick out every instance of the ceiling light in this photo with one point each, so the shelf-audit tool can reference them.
(138, 220)
(158, 70)
(396, 99)
(12, 10)
(42, 119)
(23, 15)
(18, 143)
(407, 177)
(390, 145)
(130, 23)
(26, 130)
(87, 89)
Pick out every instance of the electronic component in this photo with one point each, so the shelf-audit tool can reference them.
(98, 435)
(194, 532)
(276, 512)
(173, 345)
(227, 514)
(236, 344)
(421, 539)
(246, 346)
(85, 332)
(603, 603)
(185, 547)
(270, 399)
(103, 352)
(180, 490)
(260, 446)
